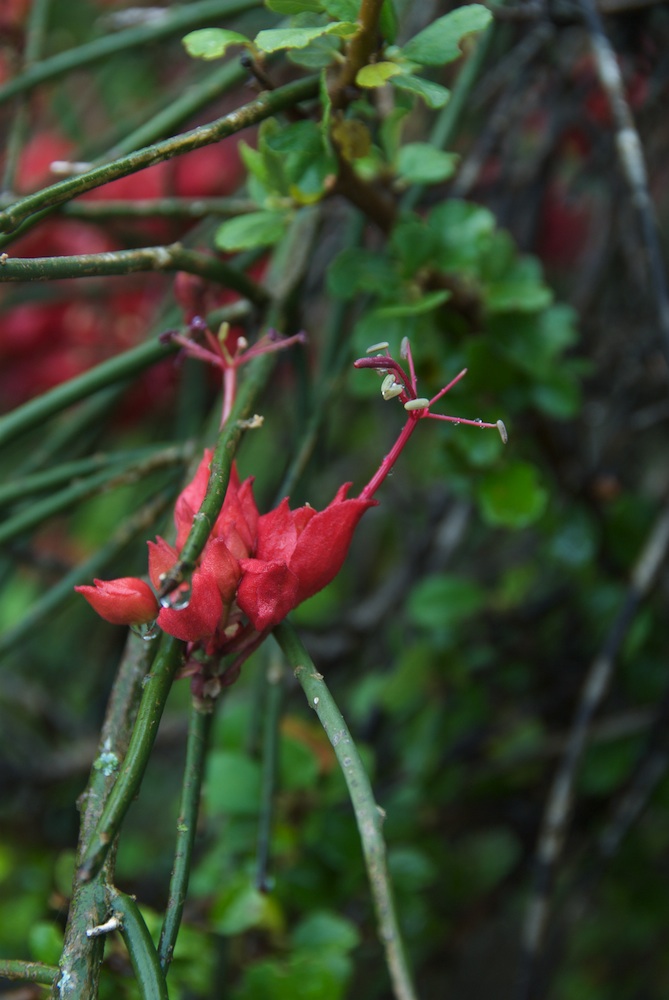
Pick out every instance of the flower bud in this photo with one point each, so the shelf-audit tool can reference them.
(126, 601)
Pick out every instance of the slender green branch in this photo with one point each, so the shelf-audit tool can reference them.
(41, 482)
(82, 954)
(137, 525)
(360, 48)
(274, 679)
(36, 412)
(257, 376)
(166, 259)
(175, 21)
(156, 690)
(27, 972)
(369, 816)
(179, 109)
(150, 208)
(199, 728)
(264, 106)
(141, 948)
(120, 474)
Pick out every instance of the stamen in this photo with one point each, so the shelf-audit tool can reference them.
(417, 404)
(381, 346)
(394, 389)
(502, 432)
(404, 348)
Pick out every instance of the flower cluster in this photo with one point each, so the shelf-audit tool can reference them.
(254, 569)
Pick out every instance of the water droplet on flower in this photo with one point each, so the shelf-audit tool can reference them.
(179, 598)
(316, 701)
(479, 421)
(147, 631)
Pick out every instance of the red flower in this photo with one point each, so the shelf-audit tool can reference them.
(217, 573)
(126, 601)
(298, 552)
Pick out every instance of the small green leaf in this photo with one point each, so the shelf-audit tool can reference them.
(426, 303)
(232, 783)
(358, 270)
(512, 496)
(421, 163)
(439, 43)
(241, 906)
(257, 229)
(342, 10)
(324, 930)
(275, 39)
(442, 600)
(377, 74)
(212, 43)
(290, 7)
(434, 95)
(388, 21)
(520, 289)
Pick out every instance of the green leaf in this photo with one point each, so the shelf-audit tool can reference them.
(257, 229)
(305, 158)
(441, 600)
(232, 783)
(290, 7)
(434, 95)
(212, 43)
(324, 930)
(388, 21)
(439, 43)
(521, 289)
(512, 496)
(377, 74)
(415, 244)
(46, 942)
(342, 10)
(426, 303)
(241, 906)
(275, 39)
(421, 163)
(358, 270)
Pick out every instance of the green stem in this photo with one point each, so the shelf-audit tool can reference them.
(264, 106)
(181, 109)
(369, 816)
(141, 949)
(166, 259)
(37, 411)
(257, 376)
(270, 765)
(41, 482)
(60, 593)
(175, 21)
(154, 697)
(28, 972)
(199, 728)
(120, 474)
(81, 957)
(150, 208)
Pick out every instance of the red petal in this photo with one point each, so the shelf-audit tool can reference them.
(267, 592)
(324, 543)
(277, 534)
(190, 499)
(218, 562)
(202, 616)
(162, 557)
(126, 601)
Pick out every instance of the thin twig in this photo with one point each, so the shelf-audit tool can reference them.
(368, 814)
(557, 812)
(164, 258)
(630, 155)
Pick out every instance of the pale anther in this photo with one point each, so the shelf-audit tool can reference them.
(382, 346)
(394, 389)
(502, 431)
(417, 404)
(404, 348)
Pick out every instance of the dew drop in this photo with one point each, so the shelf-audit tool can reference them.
(147, 631)
(179, 598)
(316, 701)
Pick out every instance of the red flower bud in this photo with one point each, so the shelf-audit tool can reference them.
(126, 601)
